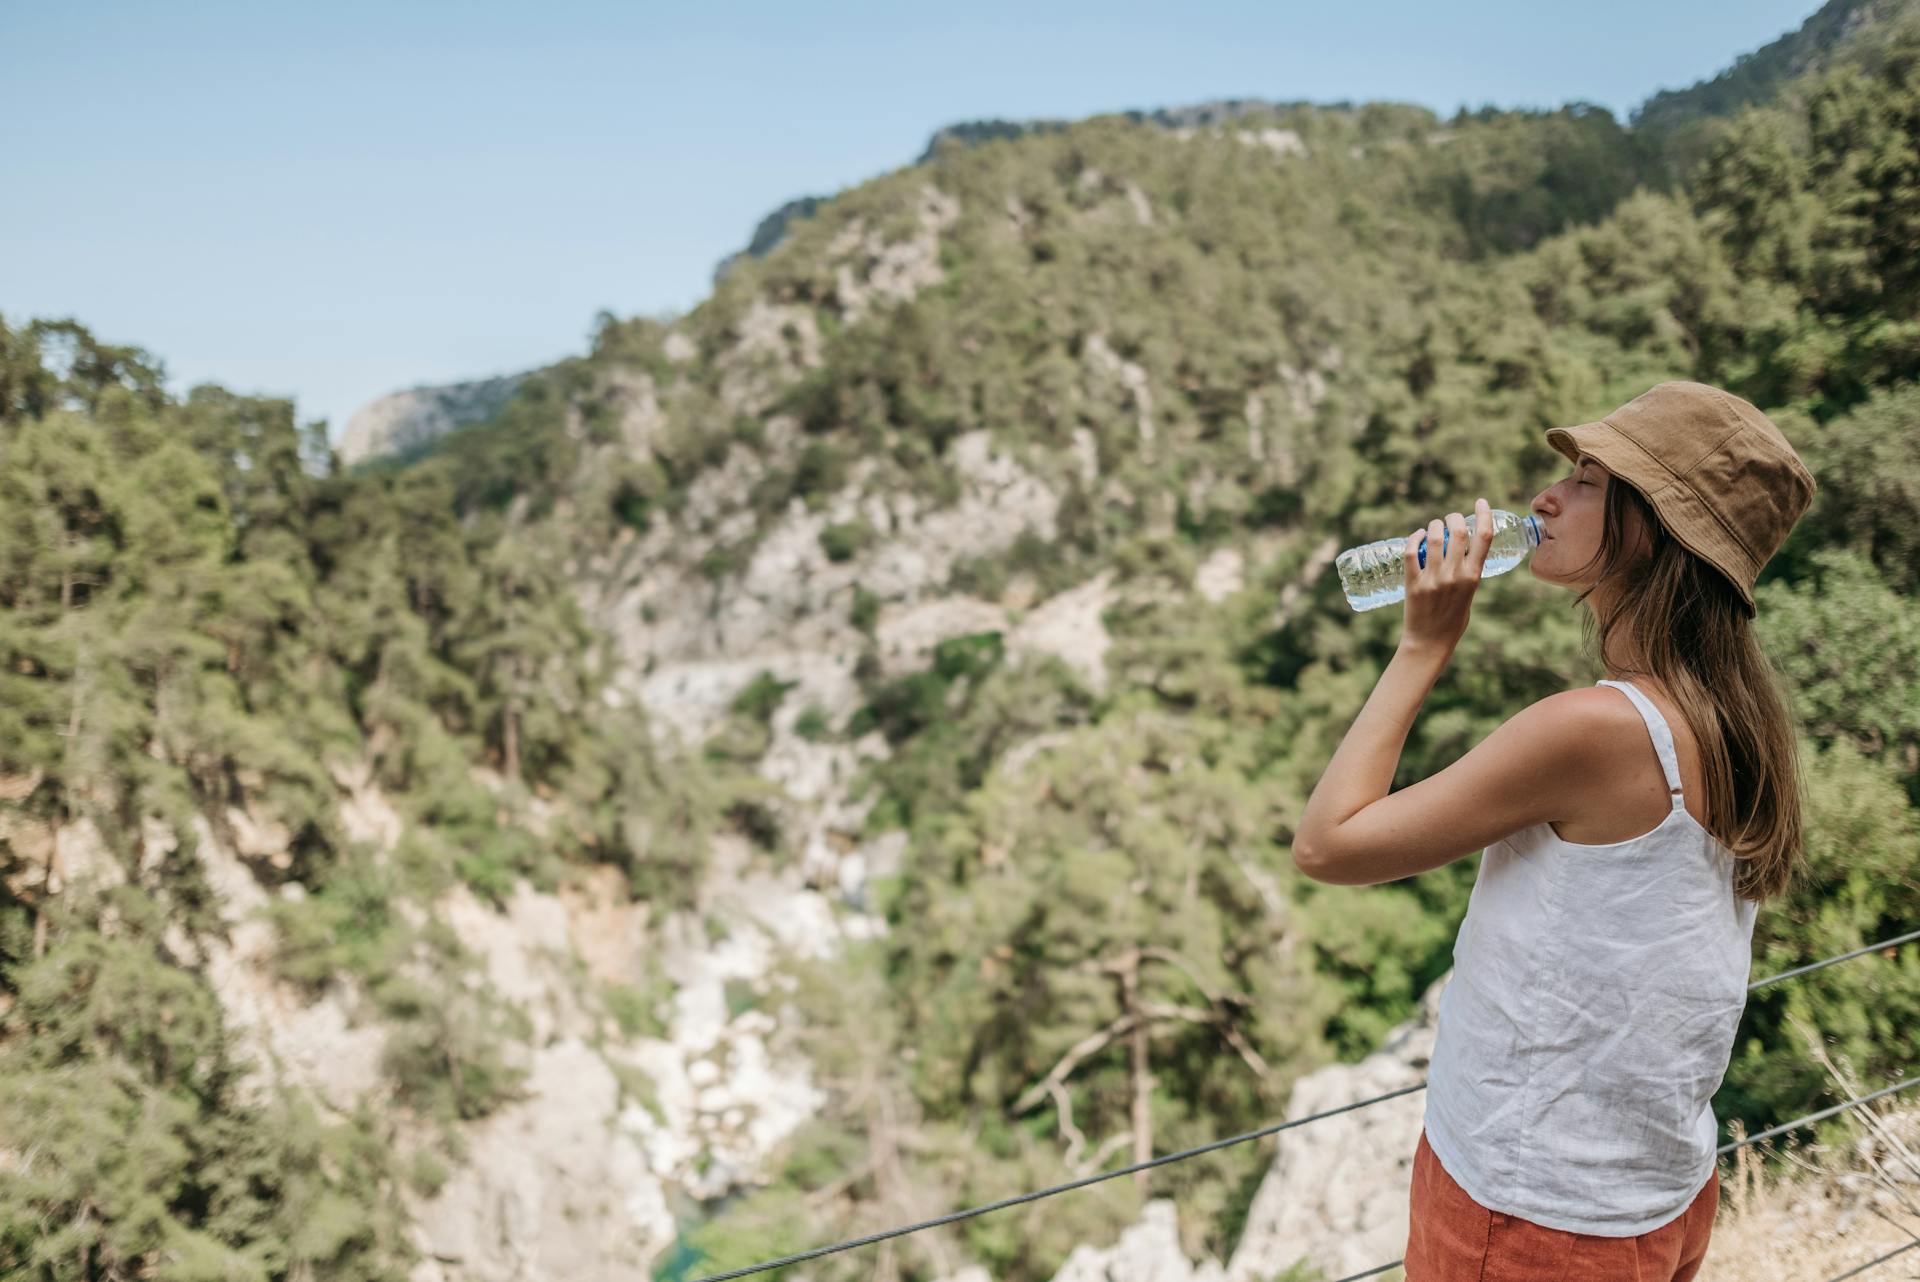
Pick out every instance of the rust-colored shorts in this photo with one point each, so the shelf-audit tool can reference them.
(1453, 1238)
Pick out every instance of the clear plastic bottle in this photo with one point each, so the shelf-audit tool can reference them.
(1374, 574)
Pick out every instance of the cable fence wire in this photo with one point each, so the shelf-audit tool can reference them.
(1878, 1259)
(1264, 1131)
(1829, 961)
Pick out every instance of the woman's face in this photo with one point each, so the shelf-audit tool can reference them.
(1571, 513)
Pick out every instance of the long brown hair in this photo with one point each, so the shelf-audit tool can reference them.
(1688, 624)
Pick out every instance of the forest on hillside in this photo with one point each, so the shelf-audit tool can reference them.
(202, 612)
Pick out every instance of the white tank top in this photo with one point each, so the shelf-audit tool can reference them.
(1589, 1020)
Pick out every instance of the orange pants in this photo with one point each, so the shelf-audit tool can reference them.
(1453, 1238)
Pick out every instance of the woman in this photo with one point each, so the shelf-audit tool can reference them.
(1601, 969)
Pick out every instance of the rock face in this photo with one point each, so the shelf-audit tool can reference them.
(1147, 1252)
(555, 1186)
(316, 1044)
(727, 1091)
(1337, 1192)
(571, 1178)
(405, 421)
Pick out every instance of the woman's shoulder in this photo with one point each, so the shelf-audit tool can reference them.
(1588, 732)
(1584, 708)
(1622, 791)
(1605, 707)
(1595, 726)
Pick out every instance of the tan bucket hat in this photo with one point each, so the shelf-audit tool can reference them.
(1721, 476)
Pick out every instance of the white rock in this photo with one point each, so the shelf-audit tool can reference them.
(285, 1035)
(525, 952)
(1130, 375)
(1069, 625)
(1337, 1193)
(420, 415)
(1148, 1251)
(1219, 576)
(554, 1187)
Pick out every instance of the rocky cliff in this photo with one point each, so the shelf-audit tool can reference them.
(402, 423)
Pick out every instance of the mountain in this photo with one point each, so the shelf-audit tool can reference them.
(774, 226)
(404, 423)
(831, 759)
(769, 231)
(1839, 30)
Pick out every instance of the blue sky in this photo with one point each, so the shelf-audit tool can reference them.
(337, 199)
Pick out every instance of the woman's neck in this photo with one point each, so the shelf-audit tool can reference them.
(1624, 664)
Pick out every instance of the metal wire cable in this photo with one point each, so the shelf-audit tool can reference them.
(1858, 952)
(1036, 1195)
(1049, 1192)
(1822, 1115)
(1878, 1259)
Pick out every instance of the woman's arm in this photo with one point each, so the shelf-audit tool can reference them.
(1362, 770)
(1537, 767)
(1352, 831)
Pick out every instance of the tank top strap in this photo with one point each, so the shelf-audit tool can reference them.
(1662, 736)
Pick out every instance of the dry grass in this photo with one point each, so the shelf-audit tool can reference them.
(1834, 1213)
(1832, 1209)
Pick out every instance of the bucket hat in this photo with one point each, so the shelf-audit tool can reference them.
(1720, 475)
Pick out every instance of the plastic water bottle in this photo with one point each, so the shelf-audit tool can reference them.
(1374, 574)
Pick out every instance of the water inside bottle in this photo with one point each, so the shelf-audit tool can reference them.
(1373, 574)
